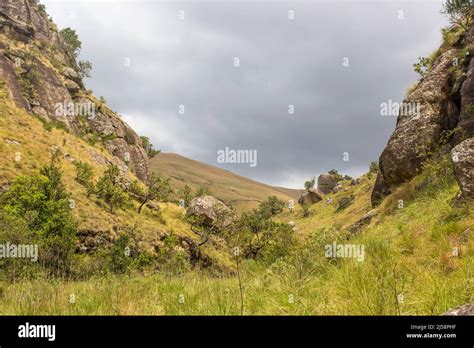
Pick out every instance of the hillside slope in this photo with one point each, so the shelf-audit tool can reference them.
(235, 190)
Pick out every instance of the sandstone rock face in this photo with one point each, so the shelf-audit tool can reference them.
(326, 183)
(440, 103)
(310, 196)
(211, 211)
(42, 88)
(462, 156)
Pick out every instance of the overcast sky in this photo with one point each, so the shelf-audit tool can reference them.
(147, 61)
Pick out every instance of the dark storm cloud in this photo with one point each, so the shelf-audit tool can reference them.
(300, 62)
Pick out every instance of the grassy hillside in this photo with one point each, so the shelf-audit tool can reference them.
(240, 192)
(25, 146)
(409, 266)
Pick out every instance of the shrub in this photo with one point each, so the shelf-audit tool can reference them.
(14, 230)
(71, 39)
(306, 210)
(203, 191)
(43, 203)
(460, 12)
(310, 183)
(186, 195)
(336, 174)
(422, 66)
(271, 207)
(156, 188)
(148, 146)
(263, 238)
(111, 188)
(85, 68)
(84, 176)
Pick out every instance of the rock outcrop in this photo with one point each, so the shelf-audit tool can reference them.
(210, 211)
(465, 309)
(462, 156)
(326, 183)
(43, 77)
(441, 104)
(310, 196)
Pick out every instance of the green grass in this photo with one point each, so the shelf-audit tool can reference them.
(407, 252)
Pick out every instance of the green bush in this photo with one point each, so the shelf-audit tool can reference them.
(84, 176)
(203, 191)
(42, 202)
(71, 39)
(111, 188)
(271, 206)
(148, 146)
(310, 183)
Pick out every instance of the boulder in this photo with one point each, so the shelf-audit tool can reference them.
(417, 133)
(153, 206)
(326, 183)
(465, 309)
(445, 98)
(310, 196)
(72, 75)
(462, 156)
(363, 221)
(211, 211)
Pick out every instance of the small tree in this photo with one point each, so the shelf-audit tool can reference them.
(85, 68)
(336, 174)
(84, 176)
(149, 148)
(271, 207)
(422, 66)
(306, 210)
(72, 40)
(374, 167)
(203, 191)
(186, 195)
(460, 12)
(156, 188)
(111, 188)
(310, 183)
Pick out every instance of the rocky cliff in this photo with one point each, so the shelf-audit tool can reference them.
(43, 77)
(437, 118)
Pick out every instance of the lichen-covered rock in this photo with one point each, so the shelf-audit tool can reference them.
(326, 183)
(310, 196)
(210, 211)
(462, 156)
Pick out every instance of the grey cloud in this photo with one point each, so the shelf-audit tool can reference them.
(282, 62)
